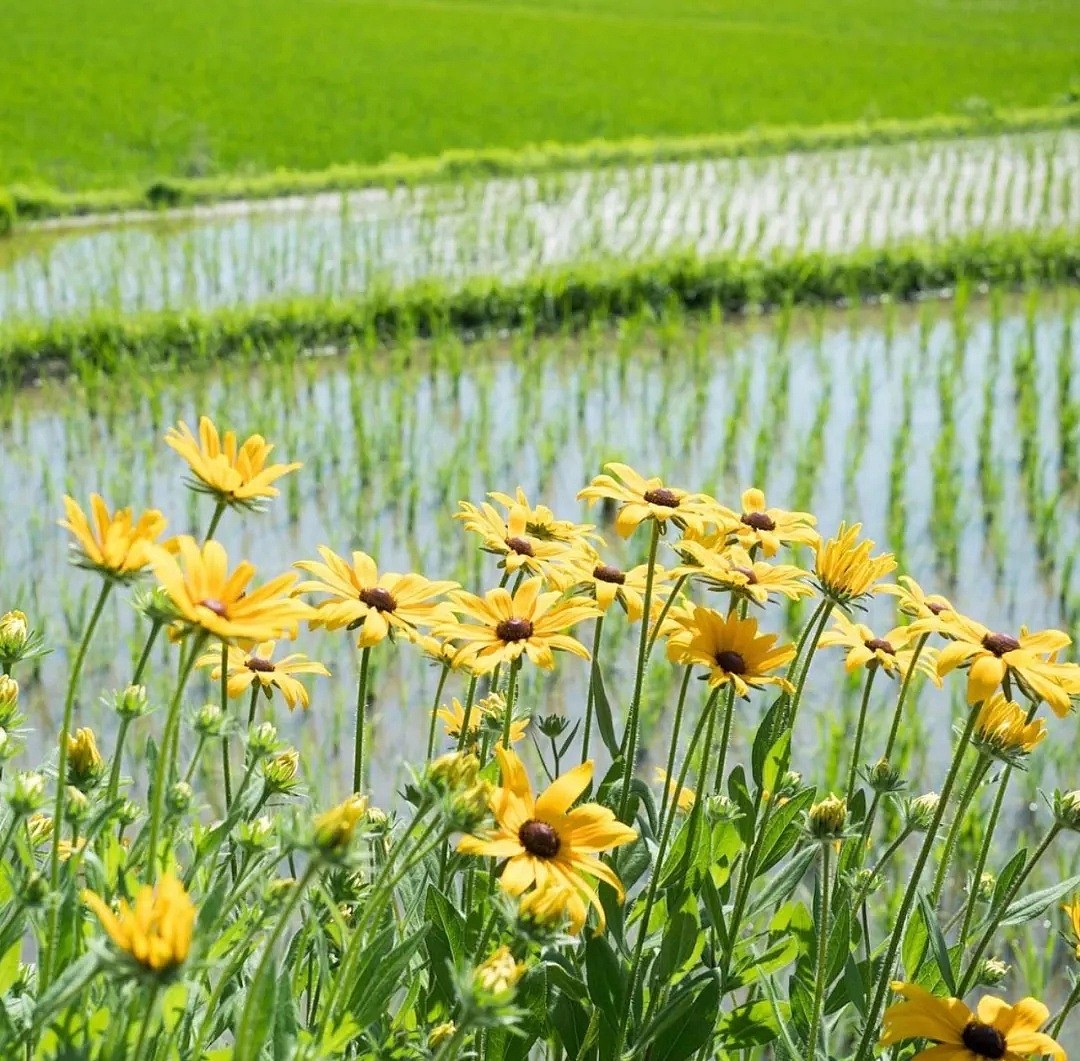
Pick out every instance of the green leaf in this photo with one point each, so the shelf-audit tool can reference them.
(937, 943)
(258, 1016)
(783, 883)
(604, 975)
(768, 757)
(445, 943)
(677, 947)
(64, 988)
(1031, 906)
(686, 1023)
(1005, 878)
(602, 708)
(913, 947)
(379, 973)
(9, 967)
(751, 1024)
(855, 985)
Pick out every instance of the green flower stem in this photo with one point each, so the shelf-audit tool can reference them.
(590, 698)
(725, 738)
(1058, 1022)
(853, 769)
(215, 519)
(978, 772)
(511, 697)
(822, 951)
(226, 772)
(466, 713)
(630, 737)
(144, 1028)
(871, 1027)
(361, 720)
(61, 776)
(164, 764)
(984, 854)
(707, 717)
(672, 596)
(985, 939)
(434, 709)
(822, 614)
(256, 686)
(673, 747)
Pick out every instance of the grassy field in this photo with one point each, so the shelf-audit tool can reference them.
(102, 93)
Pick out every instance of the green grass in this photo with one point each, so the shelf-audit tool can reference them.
(100, 93)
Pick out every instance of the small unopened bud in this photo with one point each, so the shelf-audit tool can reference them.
(334, 828)
(209, 721)
(155, 604)
(828, 818)
(984, 892)
(921, 811)
(991, 972)
(1067, 809)
(178, 798)
(25, 793)
(441, 1033)
(280, 771)
(15, 637)
(77, 803)
(262, 739)
(883, 777)
(9, 699)
(789, 784)
(39, 828)
(718, 808)
(499, 974)
(278, 890)
(128, 812)
(7, 746)
(867, 882)
(256, 835)
(378, 819)
(34, 890)
(131, 703)
(455, 770)
(85, 765)
(553, 726)
(469, 807)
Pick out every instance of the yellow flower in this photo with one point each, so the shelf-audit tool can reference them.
(845, 569)
(357, 595)
(766, 527)
(334, 828)
(686, 796)
(888, 652)
(545, 842)
(990, 657)
(732, 649)
(641, 499)
(1072, 911)
(506, 626)
(607, 584)
(206, 596)
(492, 706)
(911, 600)
(116, 545)
(85, 764)
(828, 817)
(540, 522)
(549, 906)
(500, 973)
(510, 539)
(994, 1030)
(66, 848)
(245, 667)
(235, 475)
(156, 932)
(1002, 728)
(733, 569)
(441, 1033)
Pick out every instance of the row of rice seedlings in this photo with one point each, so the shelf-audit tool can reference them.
(338, 246)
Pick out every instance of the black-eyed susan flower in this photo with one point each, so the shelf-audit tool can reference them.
(503, 627)
(247, 667)
(991, 656)
(1003, 730)
(548, 907)
(358, 596)
(334, 828)
(769, 528)
(84, 762)
(994, 1030)
(911, 600)
(733, 569)
(540, 522)
(208, 597)
(156, 932)
(845, 570)
(1072, 912)
(587, 574)
(684, 797)
(509, 538)
(115, 544)
(643, 499)
(733, 649)
(544, 841)
(866, 649)
(491, 707)
(233, 473)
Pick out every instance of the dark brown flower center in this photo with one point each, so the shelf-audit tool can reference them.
(539, 839)
(760, 521)
(519, 545)
(748, 573)
(378, 598)
(934, 608)
(879, 644)
(216, 606)
(607, 573)
(257, 663)
(999, 644)
(984, 1039)
(514, 630)
(732, 662)
(662, 496)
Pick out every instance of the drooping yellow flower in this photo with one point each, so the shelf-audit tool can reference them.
(1002, 729)
(641, 499)
(540, 522)
(84, 761)
(994, 1030)
(733, 569)
(1072, 912)
(358, 596)
(887, 652)
(490, 707)
(442, 649)
(207, 597)
(551, 905)
(545, 842)
(116, 544)
(766, 527)
(234, 474)
(156, 932)
(732, 648)
(911, 600)
(607, 584)
(990, 657)
(500, 973)
(845, 570)
(505, 626)
(685, 797)
(509, 538)
(245, 667)
(335, 827)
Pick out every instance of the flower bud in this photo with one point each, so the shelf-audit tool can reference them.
(76, 803)
(7, 746)
(34, 890)
(789, 784)
(985, 890)
(156, 604)
(209, 721)
(827, 819)
(128, 812)
(378, 820)
(1067, 809)
(131, 703)
(178, 798)
(920, 812)
(553, 726)
(499, 974)
(441, 1033)
(262, 739)
(718, 808)
(15, 638)
(278, 890)
(469, 807)
(455, 770)
(280, 771)
(883, 777)
(9, 699)
(39, 828)
(25, 793)
(334, 828)
(256, 835)
(85, 765)
(992, 971)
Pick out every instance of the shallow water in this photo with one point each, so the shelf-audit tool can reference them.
(815, 409)
(342, 244)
